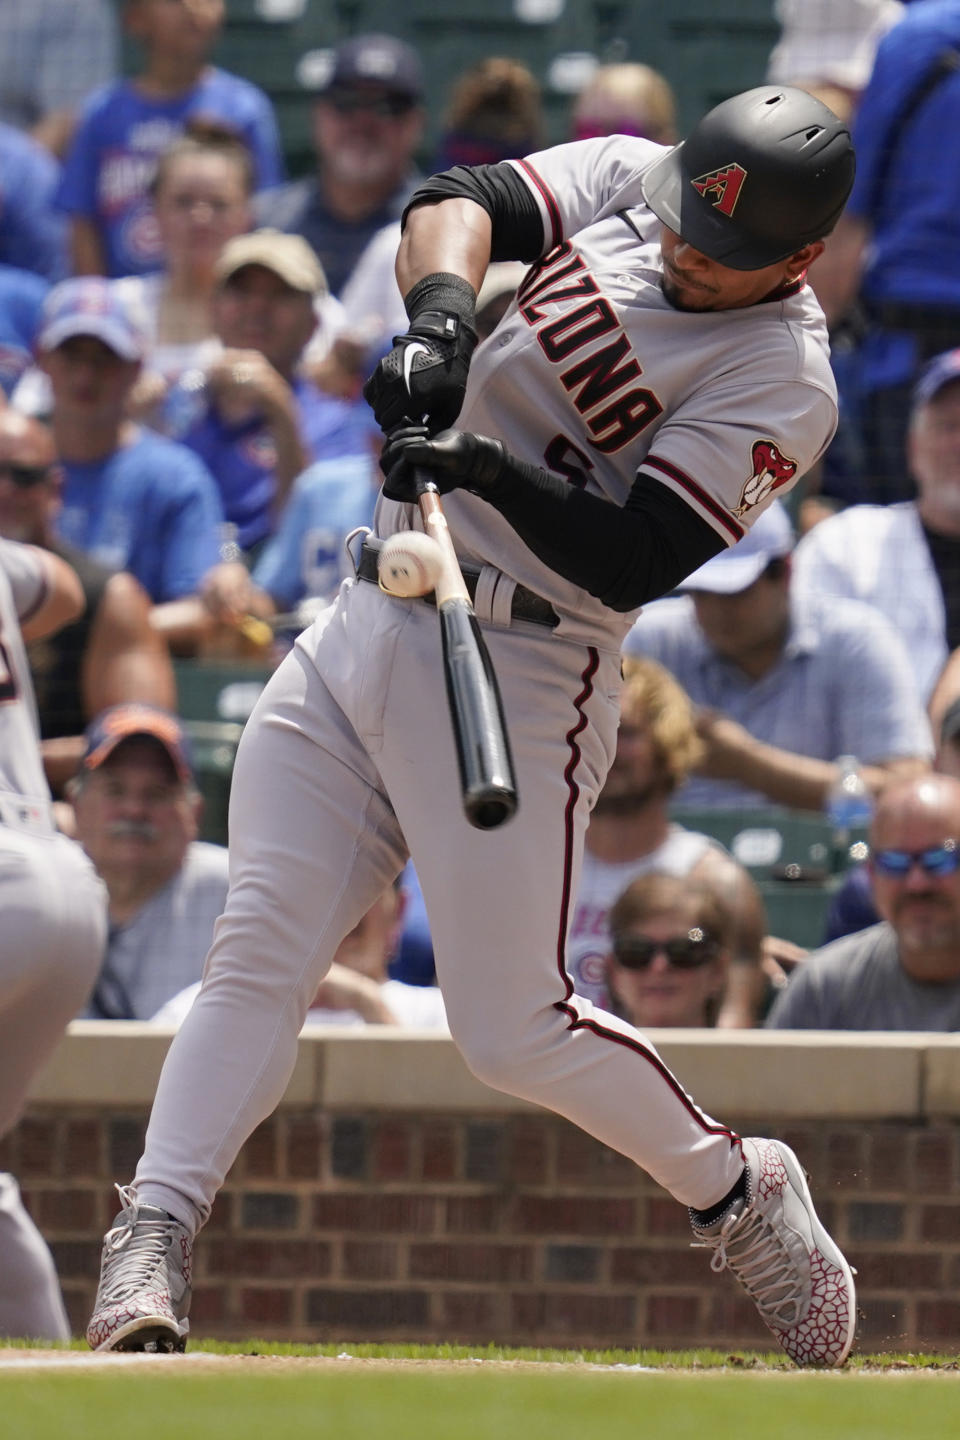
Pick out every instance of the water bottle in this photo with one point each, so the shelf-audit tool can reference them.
(848, 806)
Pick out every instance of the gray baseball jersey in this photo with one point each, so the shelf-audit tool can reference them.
(593, 374)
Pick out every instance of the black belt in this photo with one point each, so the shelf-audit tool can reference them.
(524, 605)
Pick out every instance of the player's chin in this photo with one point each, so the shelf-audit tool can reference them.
(683, 297)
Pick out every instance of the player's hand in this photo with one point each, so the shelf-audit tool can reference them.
(455, 459)
(423, 378)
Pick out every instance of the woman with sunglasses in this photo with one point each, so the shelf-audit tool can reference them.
(669, 954)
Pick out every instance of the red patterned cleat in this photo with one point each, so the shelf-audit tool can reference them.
(784, 1259)
(144, 1292)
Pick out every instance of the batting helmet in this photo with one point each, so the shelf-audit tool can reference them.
(760, 176)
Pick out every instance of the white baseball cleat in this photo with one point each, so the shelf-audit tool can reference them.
(783, 1257)
(144, 1292)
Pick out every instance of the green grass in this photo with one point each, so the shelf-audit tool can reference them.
(416, 1403)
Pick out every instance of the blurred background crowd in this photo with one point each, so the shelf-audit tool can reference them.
(200, 207)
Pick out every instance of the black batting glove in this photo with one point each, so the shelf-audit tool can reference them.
(423, 378)
(454, 459)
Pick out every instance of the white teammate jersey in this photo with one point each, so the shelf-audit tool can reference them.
(24, 793)
(604, 881)
(592, 373)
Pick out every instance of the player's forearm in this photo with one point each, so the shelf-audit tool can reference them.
(291, 455)
(624, 556)
(86, 247)
(450, 237)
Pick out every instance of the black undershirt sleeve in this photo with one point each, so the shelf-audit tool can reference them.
(500, 190)
(624, 556)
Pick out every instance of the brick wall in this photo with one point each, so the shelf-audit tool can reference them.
(362, 1223)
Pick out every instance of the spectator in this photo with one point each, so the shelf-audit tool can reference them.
(259, 420)
(631, 835)
(131, 500)
(53, 53)
(894, 247)
(626, 99)
(21, 304)
(201, 198)
(368, 121)
(495, 112)
(33, 233)
(669, 953)
(785, 683)
(830, 44)
(852, 907)
(137, 810)
(306, 558)
(903, 558)
(110, 652)
(127, 125)
(903, 973)
(358, 989)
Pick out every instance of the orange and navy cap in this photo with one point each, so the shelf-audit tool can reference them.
(121, 722)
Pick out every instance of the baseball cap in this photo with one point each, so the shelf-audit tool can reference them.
(289, 256)
(941, 370)
(770, 537)
(373, 60)
(120, 722)
(91, 305)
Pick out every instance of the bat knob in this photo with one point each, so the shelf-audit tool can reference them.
(490, 808)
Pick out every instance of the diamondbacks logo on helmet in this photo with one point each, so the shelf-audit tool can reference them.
(771, 470)
(725, 184)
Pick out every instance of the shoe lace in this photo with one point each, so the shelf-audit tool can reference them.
(129, 1265)
(754, 1250)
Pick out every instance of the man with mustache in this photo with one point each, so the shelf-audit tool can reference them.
(137, 809)
(904, 973)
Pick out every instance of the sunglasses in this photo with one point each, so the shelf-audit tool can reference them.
(25, 476)
(352, 102)
(941, 860)
(684, 952)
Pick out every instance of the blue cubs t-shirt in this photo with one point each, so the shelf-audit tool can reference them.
(151, 508)
(33, 232)
(121, 134)
(242, 458)
(21, 301)
(306, 556)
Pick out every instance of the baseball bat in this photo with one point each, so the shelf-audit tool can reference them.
(487, 781)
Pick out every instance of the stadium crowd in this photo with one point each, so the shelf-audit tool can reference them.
(184, 333)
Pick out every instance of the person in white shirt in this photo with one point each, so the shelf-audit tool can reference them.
(904, 559)
(357, 989)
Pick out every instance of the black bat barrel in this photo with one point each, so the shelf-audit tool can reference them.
(487, 778)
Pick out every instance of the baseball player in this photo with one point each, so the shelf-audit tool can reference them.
(661, 373)
(54, 917)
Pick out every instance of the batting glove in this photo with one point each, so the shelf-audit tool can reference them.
(424, 376)
(454, 459)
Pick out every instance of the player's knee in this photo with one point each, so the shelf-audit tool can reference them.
(501, 1058)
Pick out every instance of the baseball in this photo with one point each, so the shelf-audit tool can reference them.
(409, 564)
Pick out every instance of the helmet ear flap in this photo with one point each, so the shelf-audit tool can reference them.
(760, 176)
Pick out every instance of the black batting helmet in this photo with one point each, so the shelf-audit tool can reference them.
(760, 176)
